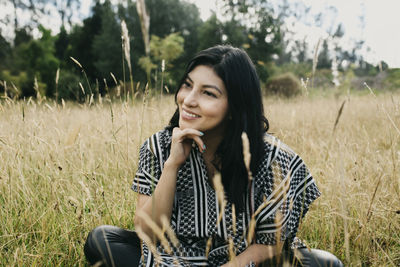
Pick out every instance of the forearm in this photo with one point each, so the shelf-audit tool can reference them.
(161, 202)
(256, 253)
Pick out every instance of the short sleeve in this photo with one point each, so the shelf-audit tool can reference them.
(148, 172)
(289, 200)
(305, 191)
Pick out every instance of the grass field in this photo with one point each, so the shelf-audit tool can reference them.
(66, 169)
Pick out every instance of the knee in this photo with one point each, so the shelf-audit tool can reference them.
(319, 257)
(98, 234)
(95, 242)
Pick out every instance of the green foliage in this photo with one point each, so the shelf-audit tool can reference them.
(22, 36)
(177, 34)
(68, 86)
(16, 82)
(393, 79)
(301, 69)
(323, 58)
(81, 42)
(108, 53)
(210, 33)
(259, 30)
(170, 16)
(168, 48)
(61, 46)
(286, 85)
(147, 65)
(322, 78)
(5, 51)
(37, 59)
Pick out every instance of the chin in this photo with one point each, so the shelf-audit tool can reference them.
(183, 125)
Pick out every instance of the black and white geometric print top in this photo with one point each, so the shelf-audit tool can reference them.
(280, 194)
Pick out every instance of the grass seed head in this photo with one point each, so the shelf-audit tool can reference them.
(157, 230)
(208, 246)
(146, 239)
(234, 219)
(126, 44)
(246, 154)
(170, 232)
(76, 62)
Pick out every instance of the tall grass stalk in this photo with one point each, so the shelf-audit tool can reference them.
(162, 77)
(57, 78)
(84, 73)
(315, 61)
(5, 89)
(144, 24)
(384, 110)
(126, 48)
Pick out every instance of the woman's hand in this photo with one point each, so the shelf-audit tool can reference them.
(182, 144)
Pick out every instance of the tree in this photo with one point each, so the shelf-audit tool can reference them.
(170, 16)
(36, 10)
(5, 52)
(107, 43)
(37, 59)
(81, 40)
(165, 51)
(210, 33)
(168, 48)
(22, 36)
(166, 17)
(324, 60)
(259, 30)
(61, 45)
(66, 9)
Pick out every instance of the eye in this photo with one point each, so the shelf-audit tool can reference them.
(186, 84)
(210, 94)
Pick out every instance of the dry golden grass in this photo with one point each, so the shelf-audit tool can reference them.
(65, 170)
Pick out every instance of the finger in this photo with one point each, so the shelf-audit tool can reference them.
(182, 135)
(192, 131)
(179, 135)
(200, 143)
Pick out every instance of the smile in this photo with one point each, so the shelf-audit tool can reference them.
(191, 115)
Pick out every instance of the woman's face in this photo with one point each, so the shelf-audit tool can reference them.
(203, 101)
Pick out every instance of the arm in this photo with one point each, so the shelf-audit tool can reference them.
(256, 253)
(161, 202)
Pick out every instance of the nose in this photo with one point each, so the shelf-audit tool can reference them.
(190, 99)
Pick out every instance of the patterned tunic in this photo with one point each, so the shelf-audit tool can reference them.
(280, 192)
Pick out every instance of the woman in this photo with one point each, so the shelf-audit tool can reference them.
(219, 98)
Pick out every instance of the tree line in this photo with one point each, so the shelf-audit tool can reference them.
(91, 58)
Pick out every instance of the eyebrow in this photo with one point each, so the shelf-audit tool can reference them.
(206, 85)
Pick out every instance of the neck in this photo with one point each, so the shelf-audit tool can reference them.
(212, 142)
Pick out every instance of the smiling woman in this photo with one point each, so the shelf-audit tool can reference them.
(192, 175)
(203, 102)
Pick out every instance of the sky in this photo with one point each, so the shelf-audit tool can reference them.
(380, 31)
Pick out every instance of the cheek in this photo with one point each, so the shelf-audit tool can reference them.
(219, 110)
(180, 97)
(223, 108)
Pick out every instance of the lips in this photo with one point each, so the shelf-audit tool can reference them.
(189, 115)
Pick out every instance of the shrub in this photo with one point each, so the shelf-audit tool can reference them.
(322, 79)
(68, 86)
(393, 79)
(18, 83)
(286, 85)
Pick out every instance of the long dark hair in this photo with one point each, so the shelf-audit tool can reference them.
(238, 73)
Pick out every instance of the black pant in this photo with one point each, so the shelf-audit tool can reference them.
(113, 246)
